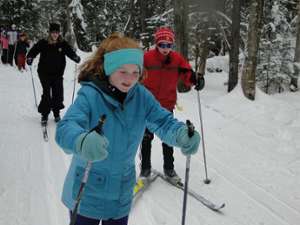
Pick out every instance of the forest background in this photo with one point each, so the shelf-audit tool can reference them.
(260, 37)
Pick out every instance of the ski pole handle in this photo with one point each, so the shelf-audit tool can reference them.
(99, 126)
(191, 128)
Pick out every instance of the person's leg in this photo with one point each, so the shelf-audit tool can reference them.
(57, 96)
(11, 49)
(146, 153)
(169, 171)
(19, 61)
(168, 157)
(122, 221)
(22, 61)
(44, 106)
(82, 220)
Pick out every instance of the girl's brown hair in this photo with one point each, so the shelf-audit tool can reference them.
(94, 65)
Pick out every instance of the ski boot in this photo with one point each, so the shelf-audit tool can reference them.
(172, 177)
(44, 120)
(57, 119)
(145, 173)
(56, 116)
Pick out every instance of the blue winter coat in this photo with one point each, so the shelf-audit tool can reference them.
(109, 190)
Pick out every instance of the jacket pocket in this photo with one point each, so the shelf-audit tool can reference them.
(95, 189)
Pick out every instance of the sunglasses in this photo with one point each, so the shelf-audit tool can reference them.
(165, 45)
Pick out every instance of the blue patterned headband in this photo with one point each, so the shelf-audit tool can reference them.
(115, 59)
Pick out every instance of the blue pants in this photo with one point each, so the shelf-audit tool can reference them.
(82, 220)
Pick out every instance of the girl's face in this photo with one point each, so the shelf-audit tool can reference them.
(54, 35)
(125, 77)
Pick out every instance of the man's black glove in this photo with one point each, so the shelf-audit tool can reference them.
(77, 59)
(29, 61)
(200, 83)
(198, 80)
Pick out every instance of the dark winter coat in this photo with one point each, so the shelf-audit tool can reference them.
(52, 57)
(163, 74)
(21, 47)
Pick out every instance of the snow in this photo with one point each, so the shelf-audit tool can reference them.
(252, 150)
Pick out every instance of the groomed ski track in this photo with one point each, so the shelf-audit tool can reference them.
(254, 171)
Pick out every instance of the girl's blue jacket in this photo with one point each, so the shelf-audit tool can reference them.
(109, 190)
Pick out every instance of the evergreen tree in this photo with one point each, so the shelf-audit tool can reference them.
(275, 58)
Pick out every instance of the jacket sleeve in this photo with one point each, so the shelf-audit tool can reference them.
(74, 123)
(69, 51)
(35, 50)
(161, 122)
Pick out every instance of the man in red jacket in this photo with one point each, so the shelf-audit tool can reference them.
(164, 67)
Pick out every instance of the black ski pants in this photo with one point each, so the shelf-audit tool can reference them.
(53, 95)
(146, 152)
(11, 54)
(4, 56)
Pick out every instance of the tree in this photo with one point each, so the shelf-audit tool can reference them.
(249, 70)
(180, 23)
(79, 25)
(234, 44)
(294, 80)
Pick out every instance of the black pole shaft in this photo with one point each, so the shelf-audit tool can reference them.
(33, 87)
(187, 173)
(206, 181)
(186, 184)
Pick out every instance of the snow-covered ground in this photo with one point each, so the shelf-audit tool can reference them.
(252, 149)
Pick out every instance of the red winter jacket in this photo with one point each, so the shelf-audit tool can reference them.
(163, 77)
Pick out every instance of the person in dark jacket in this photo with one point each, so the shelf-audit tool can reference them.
(21, 50)
(51, 68)
(164, 68)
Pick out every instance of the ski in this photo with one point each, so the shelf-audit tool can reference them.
(141, 185)
(45, 132)
(200, 198)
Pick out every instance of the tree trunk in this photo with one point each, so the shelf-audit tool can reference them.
(181, 33)
(78, 28)
(235, 44)
(294, 80)
(181, 21)
(68, 28)
(249, 70)
(143, 8)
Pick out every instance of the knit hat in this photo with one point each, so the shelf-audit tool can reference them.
(54, 27)
(164, 34)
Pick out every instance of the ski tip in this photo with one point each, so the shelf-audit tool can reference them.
(219, 207)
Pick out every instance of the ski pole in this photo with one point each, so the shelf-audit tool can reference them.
(187, 173)
(87, 169)
(74, 83)
(33, 86)
(206, 180)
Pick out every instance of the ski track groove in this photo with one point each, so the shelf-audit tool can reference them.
(265, 199)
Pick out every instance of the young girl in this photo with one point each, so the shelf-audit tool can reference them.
(110, 87)
(21, 50)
